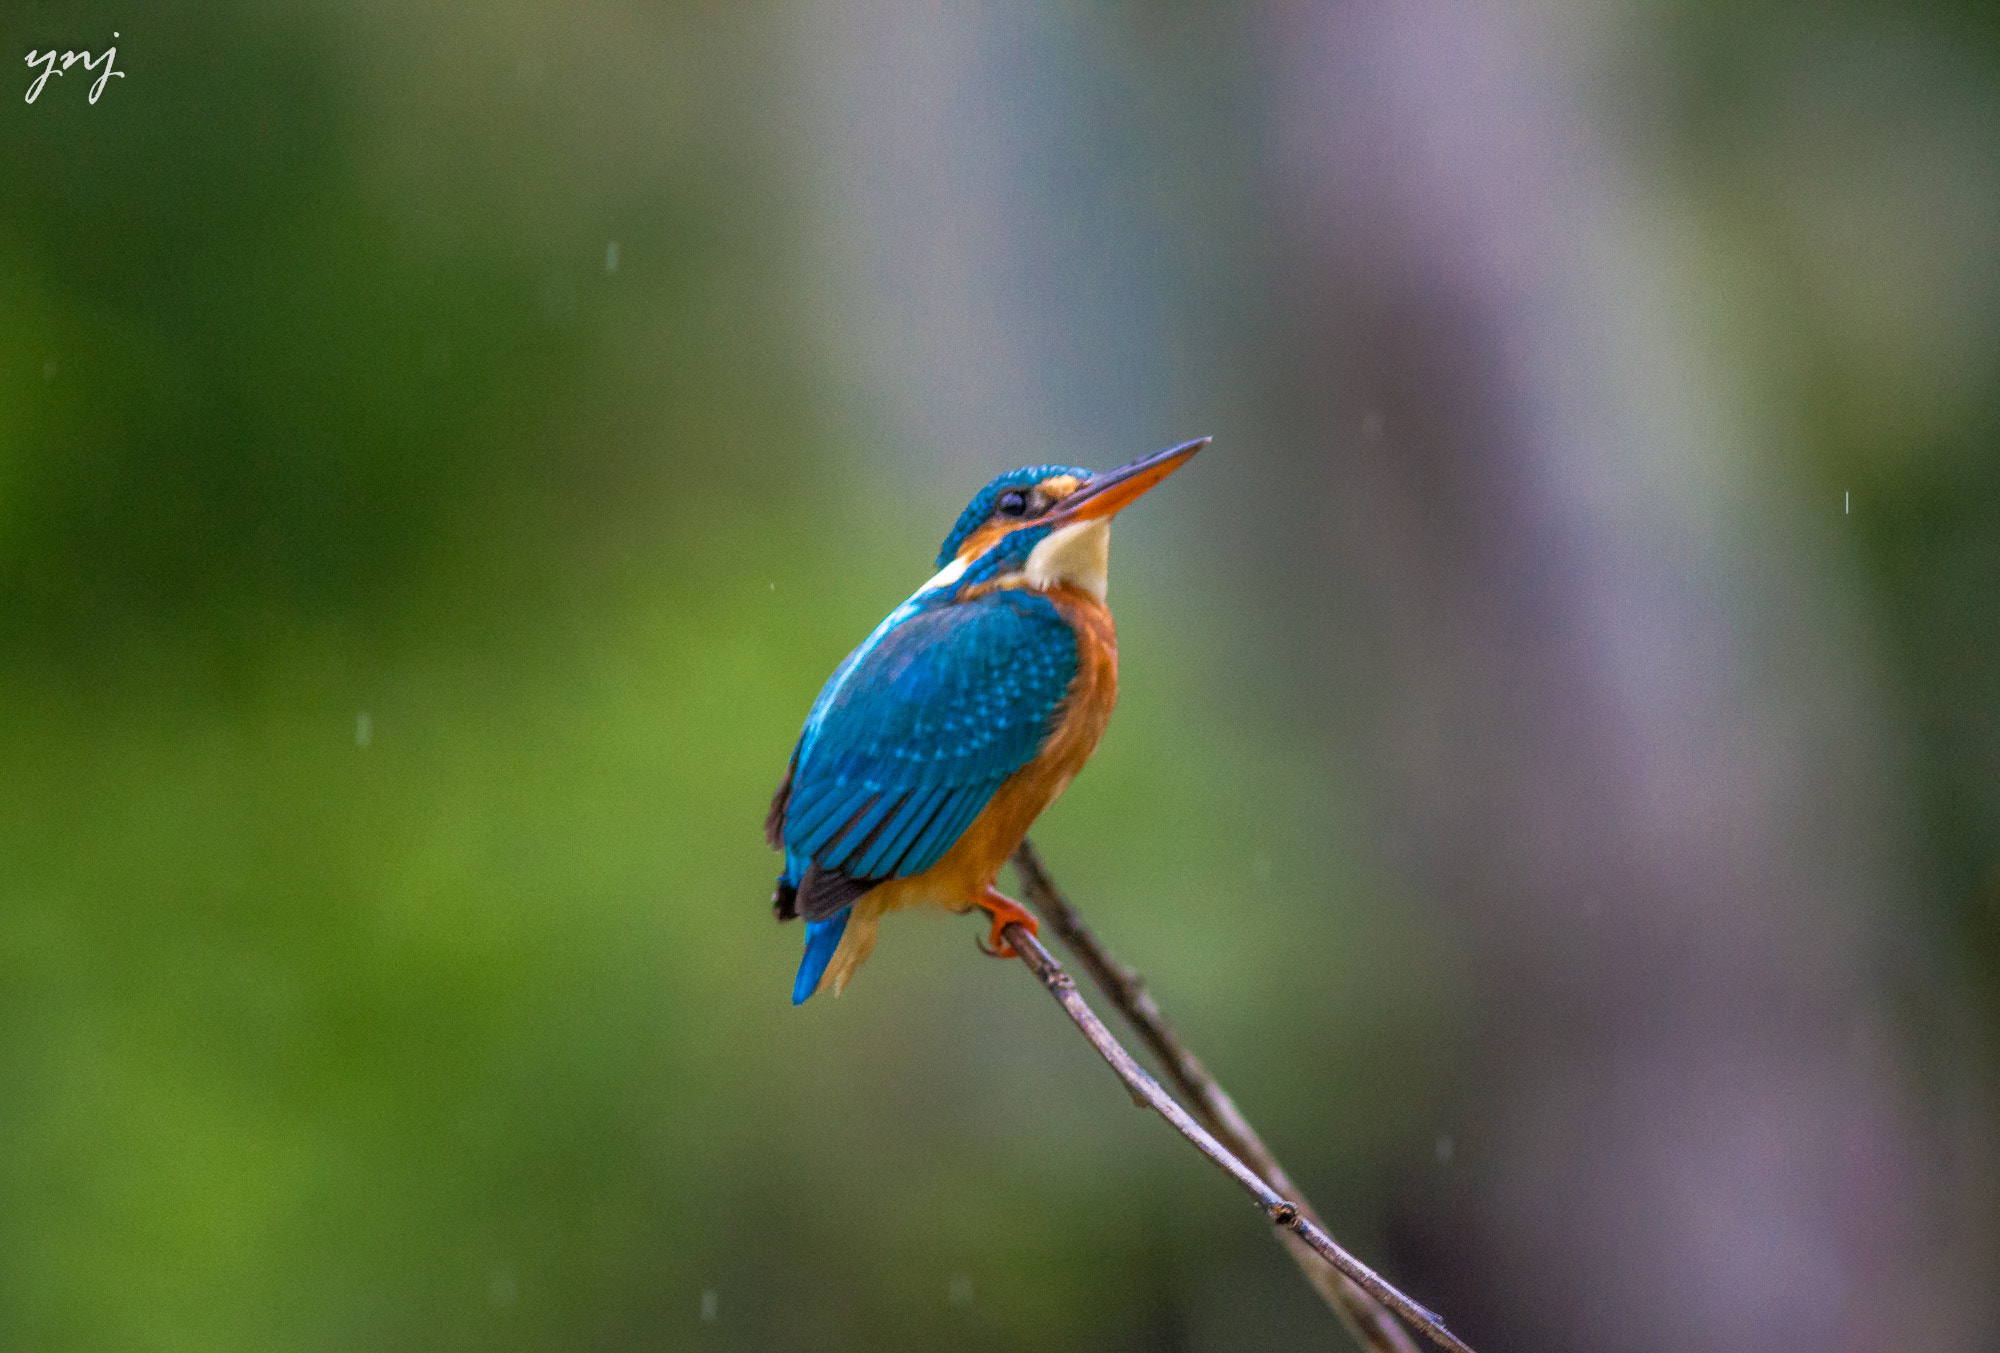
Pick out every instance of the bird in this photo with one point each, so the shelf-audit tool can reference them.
(940, 739)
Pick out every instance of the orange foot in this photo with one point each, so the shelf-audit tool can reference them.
(1005, 912)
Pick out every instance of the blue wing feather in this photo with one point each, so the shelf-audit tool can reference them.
(842, 805)
(894, 840)
(968, 808)
(863, 823)
(804, 812)
(919, 727)
(949, 824)
(805, 809)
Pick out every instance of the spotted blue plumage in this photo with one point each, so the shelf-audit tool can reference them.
(919, 727)
(910, 739)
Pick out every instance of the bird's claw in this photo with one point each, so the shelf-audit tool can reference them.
(1005, 912)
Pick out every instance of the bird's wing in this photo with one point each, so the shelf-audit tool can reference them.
(912, 737)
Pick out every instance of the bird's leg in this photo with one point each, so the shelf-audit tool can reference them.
(1005, 912)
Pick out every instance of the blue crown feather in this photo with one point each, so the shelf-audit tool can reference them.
(987, 499)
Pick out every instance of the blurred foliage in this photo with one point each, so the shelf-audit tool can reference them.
(404, 616)
(1848, 159)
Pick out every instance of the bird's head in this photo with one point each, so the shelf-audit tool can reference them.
(1046, 525)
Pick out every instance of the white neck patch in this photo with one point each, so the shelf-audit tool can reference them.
(1078, 554)
(944, 577)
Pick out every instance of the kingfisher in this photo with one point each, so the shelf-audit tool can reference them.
(936, 744)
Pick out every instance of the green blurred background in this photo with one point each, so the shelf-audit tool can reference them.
(443, 448)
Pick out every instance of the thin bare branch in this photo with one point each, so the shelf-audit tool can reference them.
(1367, 1319)
(1282, 1211)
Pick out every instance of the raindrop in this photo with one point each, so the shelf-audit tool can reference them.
(611, 256)
(709, 1303)
(501, 1289)
(1444, 1150)
(364, 729)
(960, 1290)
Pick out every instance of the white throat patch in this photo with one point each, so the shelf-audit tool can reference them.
(1078, 554)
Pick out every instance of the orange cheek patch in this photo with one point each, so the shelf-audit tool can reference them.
(982, 540)
(987, 537)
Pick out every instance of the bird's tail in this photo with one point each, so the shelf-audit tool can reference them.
(822, 938)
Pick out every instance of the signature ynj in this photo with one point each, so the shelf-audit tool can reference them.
(47, 61)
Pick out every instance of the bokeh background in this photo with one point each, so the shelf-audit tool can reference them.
(443, 447)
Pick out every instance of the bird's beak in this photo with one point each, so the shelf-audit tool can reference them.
(1106, 493)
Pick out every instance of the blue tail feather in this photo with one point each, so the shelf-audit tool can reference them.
(822, 938)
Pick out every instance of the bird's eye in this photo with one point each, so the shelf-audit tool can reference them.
(1013, 503)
